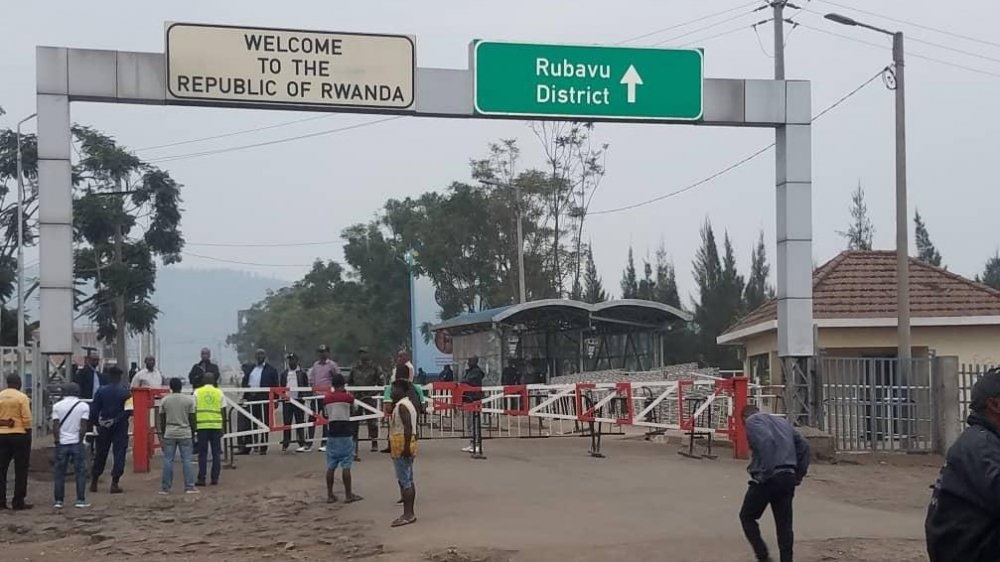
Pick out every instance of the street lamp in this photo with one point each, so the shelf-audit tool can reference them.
(522, 292)
(902, 240)
(20, 254)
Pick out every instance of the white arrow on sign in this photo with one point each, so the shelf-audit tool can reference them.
(631, 79)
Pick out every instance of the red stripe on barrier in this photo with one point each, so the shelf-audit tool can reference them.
(588, 415)
(521, 391)
(624, 390)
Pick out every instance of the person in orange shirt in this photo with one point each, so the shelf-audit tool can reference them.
(15, 441)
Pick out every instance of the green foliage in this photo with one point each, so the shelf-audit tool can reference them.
(991, 272)
(926, 252)
(593, 287)
(666, 280)
(720, 289)
(630, 284)
(861, 232)
(758, 290)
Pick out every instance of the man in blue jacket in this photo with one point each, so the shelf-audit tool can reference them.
(109, 416)
(963, 519)
(780, 462)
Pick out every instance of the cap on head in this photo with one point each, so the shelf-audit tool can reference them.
(323, 348)
(362, 350)
(291, 356)
(987, 387)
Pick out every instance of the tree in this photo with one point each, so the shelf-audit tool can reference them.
(118, 237)
(758, 290)
(991, 272)
(926, 252)
(8, 221)
(861, 231)
(647, 287)
(666, 280)
(732, 283)
(720, 287)
(630, 284)
(593, 288)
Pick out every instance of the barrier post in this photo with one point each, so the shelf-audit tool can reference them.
(142, 446)
(741, 447)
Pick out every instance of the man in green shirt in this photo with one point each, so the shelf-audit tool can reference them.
(177, 417)
(366, 372)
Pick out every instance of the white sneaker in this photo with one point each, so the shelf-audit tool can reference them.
(163, 493)
(192, 491)
(57, 505)
(81, 505)
(322, 449)
(468, 449)
(303, 449)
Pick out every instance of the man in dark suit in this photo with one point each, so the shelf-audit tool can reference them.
(261, 375)
(89, 378)
(198, 371)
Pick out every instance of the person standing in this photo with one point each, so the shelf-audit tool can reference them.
(15, 442)
(263, 376)
(447, 375)
(337, 406)
(70, 423)
(320, 377)
(963, 518)
(365, 372)
(474, 377)
(177, 420)
(108, 414)
(88, 378)
(403, 447)
(149, 377)
(780, 462)
(510, 376)
(204, 367)
(295, 376)
(210, 410)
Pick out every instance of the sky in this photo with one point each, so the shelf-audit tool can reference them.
(310, 190)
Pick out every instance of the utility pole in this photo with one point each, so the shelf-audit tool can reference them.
(410, 258)
(779, 38)
(121, 337)
(902, 235)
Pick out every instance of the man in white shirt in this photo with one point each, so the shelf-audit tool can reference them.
(148, 377)
(70, 418)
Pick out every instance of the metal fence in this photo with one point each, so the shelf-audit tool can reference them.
(870, 404)
(968, 374)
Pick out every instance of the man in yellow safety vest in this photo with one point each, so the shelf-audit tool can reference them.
(209, 413)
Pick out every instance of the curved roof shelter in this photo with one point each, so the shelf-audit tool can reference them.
(565, 314)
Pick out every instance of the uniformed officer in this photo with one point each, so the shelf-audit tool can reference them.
(366, 373)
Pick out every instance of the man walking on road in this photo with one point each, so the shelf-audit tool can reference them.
(209, 413)
(474, 377)
(70, 423)
(108, 414)
(780, 462)
(295, 376)
(149, 377)
(337, 406)
(177, 420)
(202, 368)
(321, 377)
(15, 442)
(263, 376)
(403, 447)
(366, 373)
(963, 519)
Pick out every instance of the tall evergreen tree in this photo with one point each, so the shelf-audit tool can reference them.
(593, 288)
(709, 313)
(926, 252)
(732, 284)
(630, 284)
(991, 272)
(666, 280)
(647, 287)
(758, 290)
(861, 232)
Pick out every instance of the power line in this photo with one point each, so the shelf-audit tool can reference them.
(739, 163)
(686, 23)
(276, 141)
(236, 262)
(915, 24)
(275, 245)
(716, 36)
(232, 134)
(909, 54)
(705, 28)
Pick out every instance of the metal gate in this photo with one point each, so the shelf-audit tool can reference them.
(871, 404)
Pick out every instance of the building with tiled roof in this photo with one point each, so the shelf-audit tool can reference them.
(854, 311)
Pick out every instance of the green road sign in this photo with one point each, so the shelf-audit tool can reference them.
(587, 81)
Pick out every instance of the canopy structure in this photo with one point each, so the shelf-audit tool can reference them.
(554, 337)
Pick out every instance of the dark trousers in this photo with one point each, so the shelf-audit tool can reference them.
(209, 438)
(70, 455)
(372, 423)
(15, 447)
(114, 439)
(778, 492)
(291, 413)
